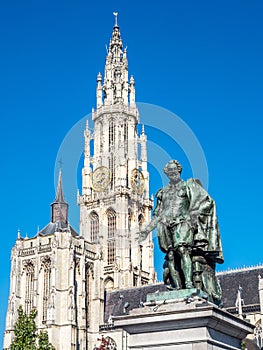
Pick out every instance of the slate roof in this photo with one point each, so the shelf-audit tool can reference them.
(53, 227)
(247, 278)
(230, 281)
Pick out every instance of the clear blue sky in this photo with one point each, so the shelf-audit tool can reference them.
(202, 60)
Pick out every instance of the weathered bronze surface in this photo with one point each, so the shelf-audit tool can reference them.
(188, 233)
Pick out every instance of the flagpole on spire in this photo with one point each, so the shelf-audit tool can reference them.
(116, 18)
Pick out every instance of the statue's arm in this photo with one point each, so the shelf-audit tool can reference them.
(153, 223)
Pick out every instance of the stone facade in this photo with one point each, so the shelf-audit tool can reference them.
(54, 272)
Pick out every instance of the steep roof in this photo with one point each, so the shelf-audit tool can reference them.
(246, 278)
(53, 227)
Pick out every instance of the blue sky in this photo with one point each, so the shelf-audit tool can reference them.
(201, 60)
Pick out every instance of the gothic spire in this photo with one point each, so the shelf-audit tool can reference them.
(115, 88)
(59, 195)
(59, 206)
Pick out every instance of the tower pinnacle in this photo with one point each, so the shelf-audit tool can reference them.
(115, 89)
(116, 18)
(59, 194)
(59, 206)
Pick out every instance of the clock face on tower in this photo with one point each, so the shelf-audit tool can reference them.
(137, 181)
(100, 179)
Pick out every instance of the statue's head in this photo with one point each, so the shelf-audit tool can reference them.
(173, 166)
(173, 170)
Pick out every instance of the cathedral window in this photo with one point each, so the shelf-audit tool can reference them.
(126, 136)
(111, 134)
(140, 220)
(29, 291)
(112, 169)
(135, 280)
(111, 252)
(94, 227)
(125, 131)
(111, 224)
(46, 265)
(129, 220)
(111, 236)
(109, 284)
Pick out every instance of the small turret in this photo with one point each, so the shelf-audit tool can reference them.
(59, 208)
(99, 90)
(239, 302)
(143, 141)
(132, 90)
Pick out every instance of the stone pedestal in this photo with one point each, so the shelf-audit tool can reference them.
(184, 324)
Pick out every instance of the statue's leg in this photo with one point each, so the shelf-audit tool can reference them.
(186, 265)
(184, 231)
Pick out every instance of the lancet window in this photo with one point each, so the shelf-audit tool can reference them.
(111, 215)
(94, 226)
(111, 252)
(111, 134)
(101, 138)
(46, 265)
(29, 292)
(112, 169)
(140, 220)
(125, 131)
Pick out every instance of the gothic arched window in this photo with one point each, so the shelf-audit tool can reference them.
(101, 137)
(125, 131)
(140, 220)
(109, 284)
(29, 290)
(46, 265)
(111, 223)
(94, 226)
(111, 134)
(112, 169)
(111, 217)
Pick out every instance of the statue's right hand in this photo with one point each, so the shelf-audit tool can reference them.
(141, 236)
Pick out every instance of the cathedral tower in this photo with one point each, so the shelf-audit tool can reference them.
(53, 272)
(115, 202)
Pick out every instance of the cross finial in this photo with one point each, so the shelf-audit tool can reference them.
(116, 18)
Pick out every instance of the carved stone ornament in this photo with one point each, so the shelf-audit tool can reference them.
(77, 264)
(90, 269)
(46, 262)
(28, 265)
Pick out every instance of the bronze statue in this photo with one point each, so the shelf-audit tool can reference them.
(187, 229)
